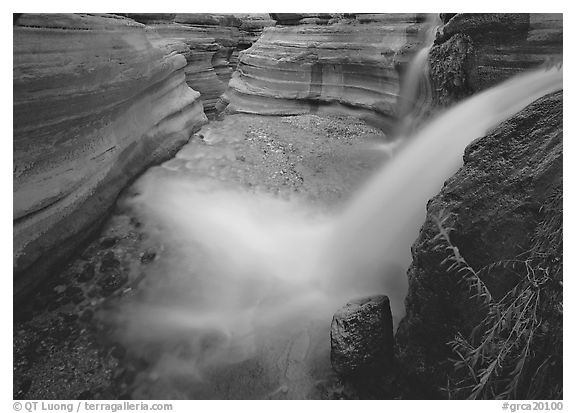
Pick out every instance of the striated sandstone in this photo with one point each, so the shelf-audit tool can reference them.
(209, 42)
(350, 66)
(94, 104)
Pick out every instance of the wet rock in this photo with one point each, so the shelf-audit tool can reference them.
(135, 222)
(86, 315)
(75, 293)
(129, 375)
(68, 317)
(112, 281)
(109, 262)
(87, 273)
(118, 351)
(112, 275)
(108, 242)
(148, 257)
(361, 336)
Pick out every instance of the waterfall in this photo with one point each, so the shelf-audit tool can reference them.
(416, 90)
(257, 277)
(373, 235)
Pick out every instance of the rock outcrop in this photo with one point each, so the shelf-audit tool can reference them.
(326, 63)
(361, 337)
(497, 200)
(94, 104)
(475, 51)
(209, 42)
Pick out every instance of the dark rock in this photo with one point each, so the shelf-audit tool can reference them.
(287, 18)
(445, 17)
(135, 222)
(74, 292)
(361, 336)
(129, 376)
(23, 388)
(496, 199)
(68, 317)
(118, 351)
(86, 315)
(148, 257)
(151, 18)
(451, 63)
(112, 276)
(109, 262)
(87, 273)
(112, 281)
(85, 395)
(21, 316)
(108, 242)
(474, 51)
(486, 24)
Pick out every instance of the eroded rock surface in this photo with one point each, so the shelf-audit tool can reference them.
(209, 42)
(474, 51)
(347, 63)
(361, 336)
(94, 104)
(497, 201)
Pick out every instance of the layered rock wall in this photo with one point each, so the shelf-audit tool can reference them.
(209, 42)
(95, 102)
(334, 63)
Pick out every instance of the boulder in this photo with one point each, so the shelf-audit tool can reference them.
(497, 201)
(361, 336)
(95, 103)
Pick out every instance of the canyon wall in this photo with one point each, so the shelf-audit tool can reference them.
(209, 42)
(475, 51)
(327, 63)
(95, 102)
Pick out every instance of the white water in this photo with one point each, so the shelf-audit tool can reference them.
(259, 277)
(416, 90)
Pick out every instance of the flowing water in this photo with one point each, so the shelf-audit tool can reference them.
(241, 304)
(416, 89)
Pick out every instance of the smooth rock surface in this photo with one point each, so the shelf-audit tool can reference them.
(474, 51)
(94, 104)
(361, 336)
(209, 42)
(348, 66)
(496, 199)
